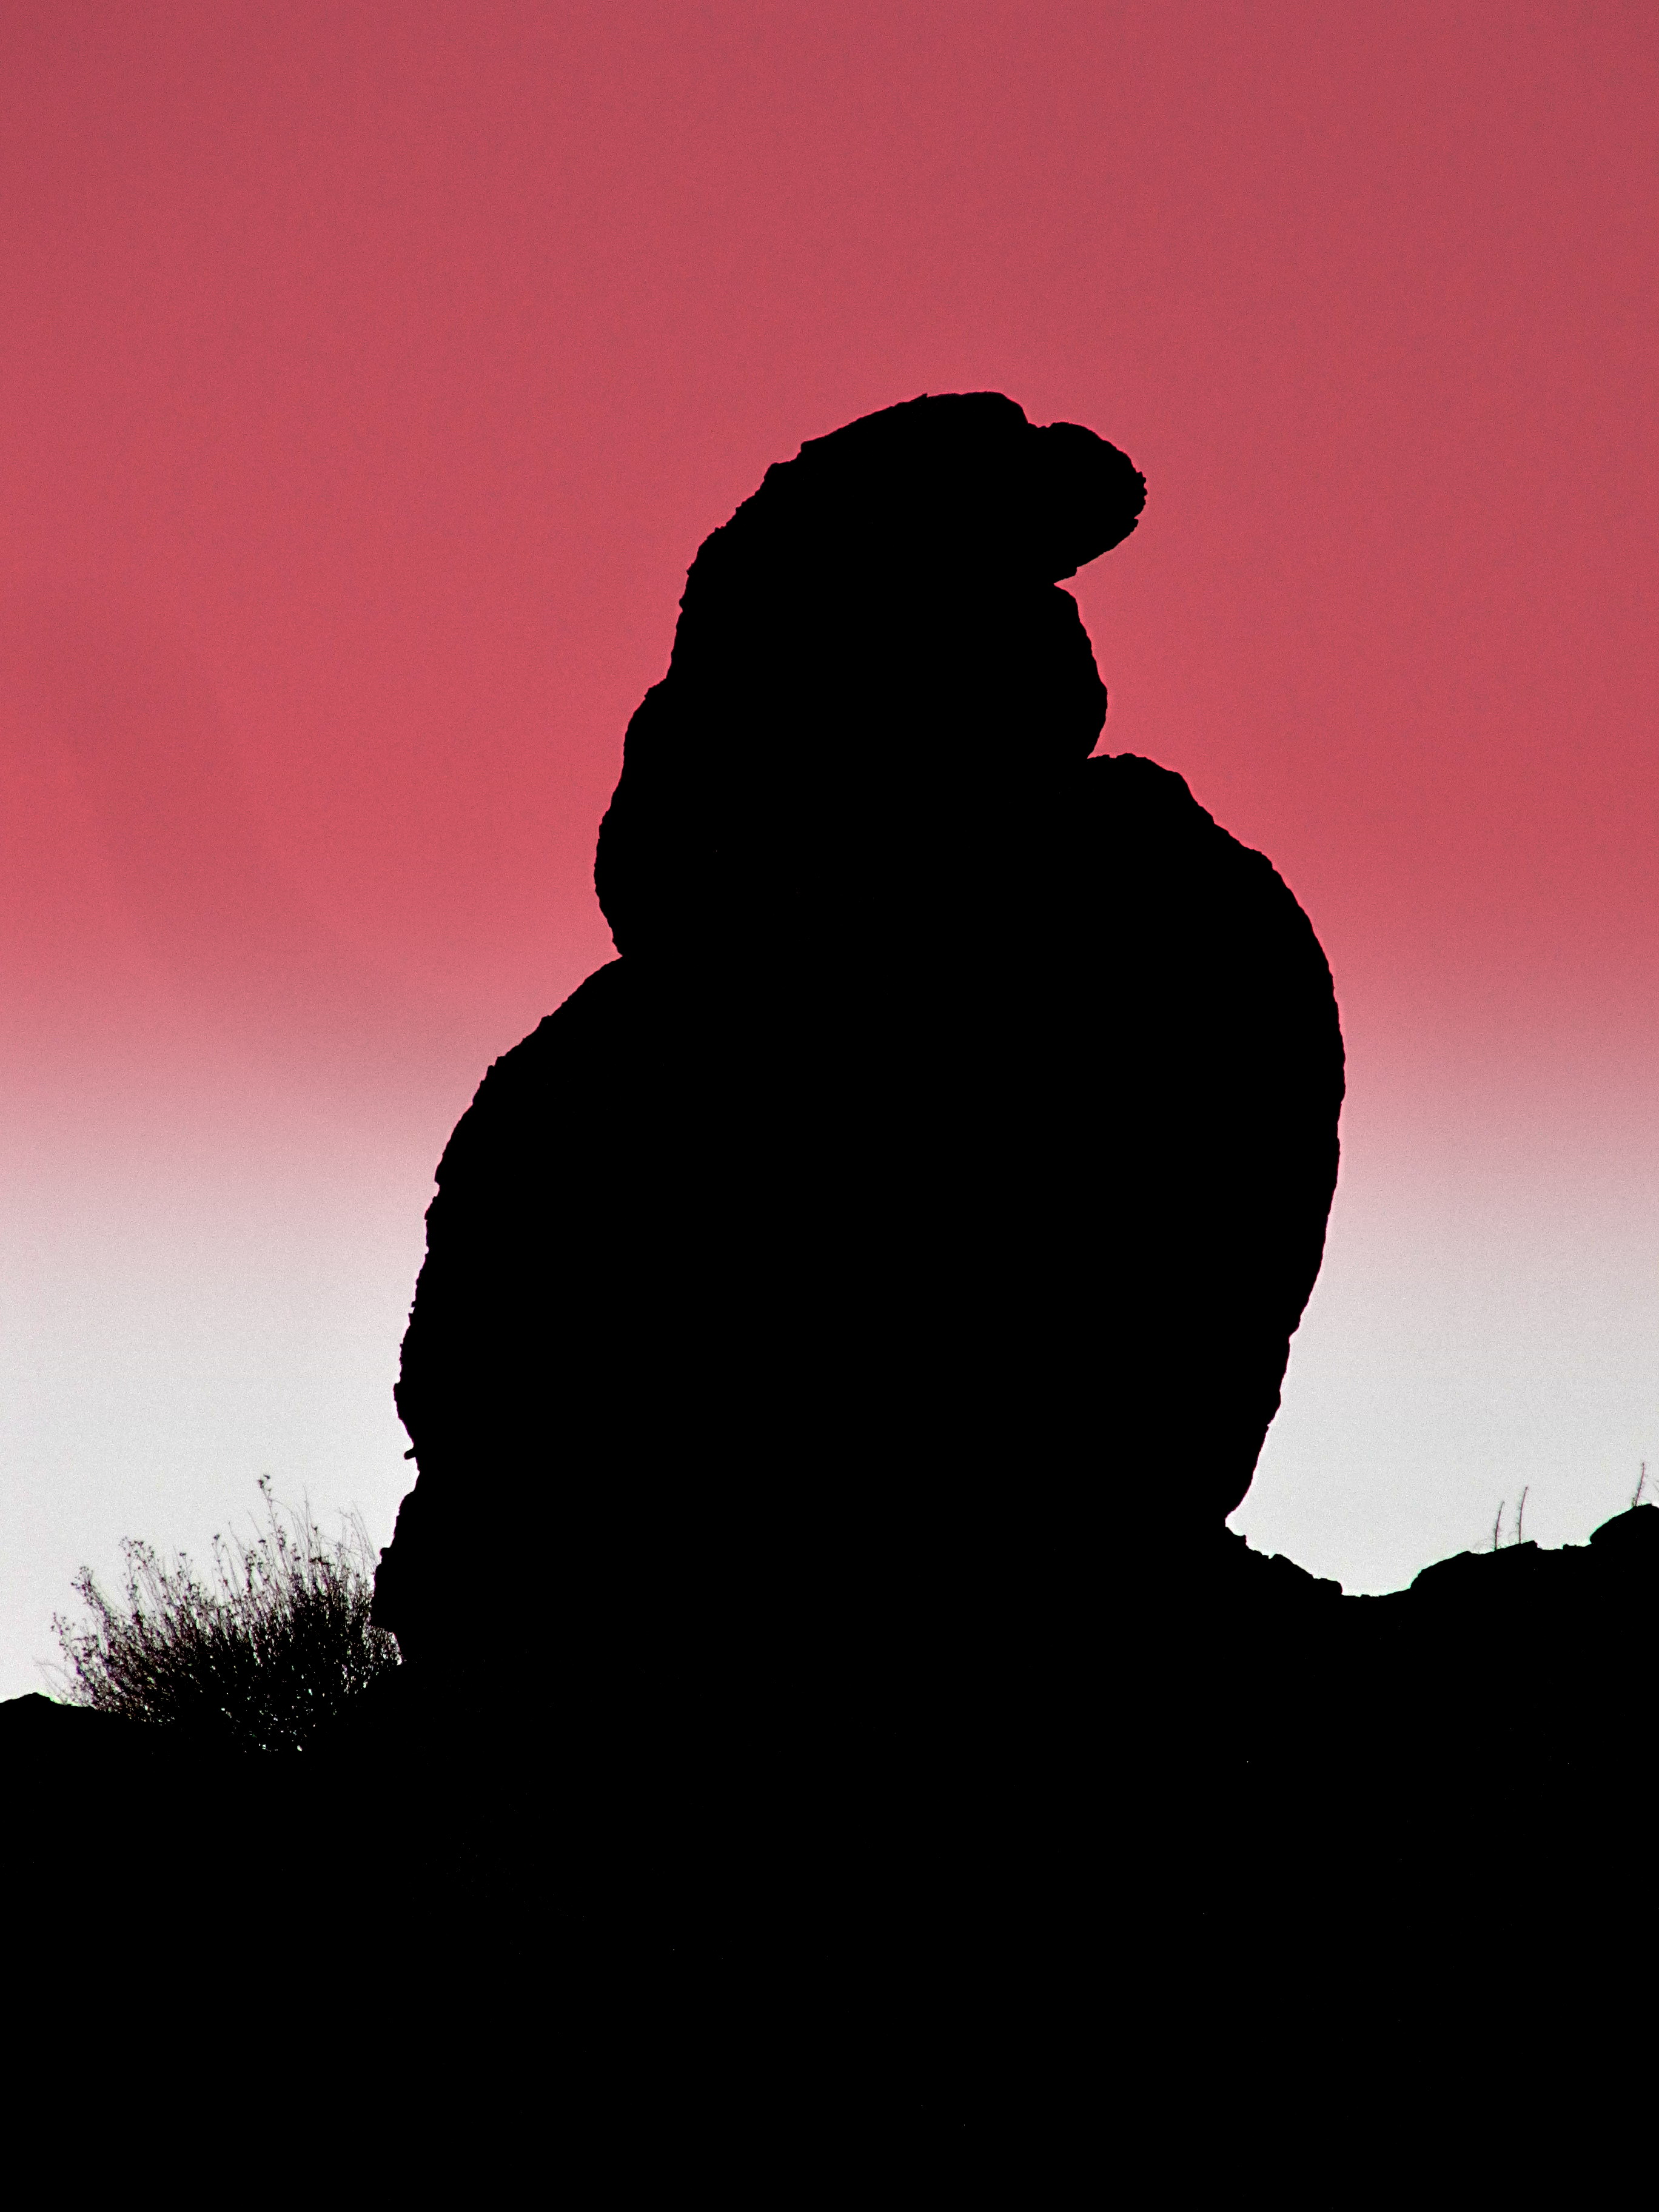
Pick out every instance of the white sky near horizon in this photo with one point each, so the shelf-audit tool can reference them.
(188, 1302)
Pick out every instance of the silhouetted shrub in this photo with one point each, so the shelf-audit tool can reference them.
(260, 1659)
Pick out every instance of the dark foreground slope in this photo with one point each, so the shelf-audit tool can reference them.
(1312, 1840)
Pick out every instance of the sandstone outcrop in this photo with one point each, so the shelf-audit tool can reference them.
(925, 1198)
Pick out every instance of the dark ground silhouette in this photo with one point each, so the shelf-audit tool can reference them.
(863, 1302)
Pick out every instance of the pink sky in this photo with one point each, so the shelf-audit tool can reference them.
(372, 372)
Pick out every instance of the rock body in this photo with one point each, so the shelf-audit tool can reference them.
(913, 1216)
(931, 1187)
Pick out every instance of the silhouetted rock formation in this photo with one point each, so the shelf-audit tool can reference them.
(910, 1224)
(929, 1193)
(850, 1319)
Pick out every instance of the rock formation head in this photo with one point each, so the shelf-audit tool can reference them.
(873, 643)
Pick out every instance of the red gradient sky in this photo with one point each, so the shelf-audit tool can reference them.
(372, 373)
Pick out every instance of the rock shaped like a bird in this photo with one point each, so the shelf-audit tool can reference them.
(923, 1202)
